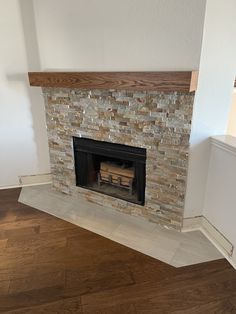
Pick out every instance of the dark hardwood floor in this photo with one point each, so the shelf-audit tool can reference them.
(50, 266)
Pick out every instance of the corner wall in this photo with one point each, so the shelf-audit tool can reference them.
(220, 198)
(23, 140)
(213, 98)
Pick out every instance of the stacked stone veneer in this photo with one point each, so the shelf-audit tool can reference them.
(159, 122)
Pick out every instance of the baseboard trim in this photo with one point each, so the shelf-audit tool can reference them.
(218, 236)
(191, 224)
(231, 259)
(35, 179)
(30, 180)
(214, 236)
(7, 187)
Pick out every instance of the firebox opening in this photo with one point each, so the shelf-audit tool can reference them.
(113, 169)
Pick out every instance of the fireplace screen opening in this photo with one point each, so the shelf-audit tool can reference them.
(113, 169)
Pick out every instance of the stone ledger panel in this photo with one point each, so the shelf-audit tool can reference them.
(159, 122)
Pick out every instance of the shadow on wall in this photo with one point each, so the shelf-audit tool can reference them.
(199, 155)
(35, 96)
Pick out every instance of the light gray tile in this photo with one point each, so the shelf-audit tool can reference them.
(189, 255)
(170, 246)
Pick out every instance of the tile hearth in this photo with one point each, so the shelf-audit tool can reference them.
(172, 247)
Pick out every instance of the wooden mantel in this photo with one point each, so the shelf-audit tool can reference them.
(158, 81)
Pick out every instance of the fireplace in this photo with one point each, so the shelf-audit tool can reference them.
(113, 169)
(121, 140)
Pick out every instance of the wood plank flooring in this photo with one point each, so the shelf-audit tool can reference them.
(49, 266)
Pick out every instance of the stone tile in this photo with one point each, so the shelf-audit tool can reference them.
(159, 122)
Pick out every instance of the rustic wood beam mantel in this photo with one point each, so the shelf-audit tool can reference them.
(185, 81)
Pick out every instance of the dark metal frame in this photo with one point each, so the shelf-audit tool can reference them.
(86, 150)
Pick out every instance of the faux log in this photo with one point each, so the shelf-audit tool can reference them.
(115, 178)
(185, 81)
(113, 169)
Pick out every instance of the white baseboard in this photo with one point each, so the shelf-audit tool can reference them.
(30, 180)
(7, 187)
(222, 241)
(230, 258)
(37, 179)
(214, 236)
(191, 224)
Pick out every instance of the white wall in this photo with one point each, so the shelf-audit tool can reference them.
(231, 129)
(120, 35)
(213, 98)
(23, 143)
(220, 197)
(81, 35)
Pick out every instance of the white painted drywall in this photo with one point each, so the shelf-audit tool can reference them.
(23, 141)
(120, 35)
(231, 129)
(213, 98)
(220, 197)
(81, 35)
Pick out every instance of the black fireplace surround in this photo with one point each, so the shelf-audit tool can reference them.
(90, 154)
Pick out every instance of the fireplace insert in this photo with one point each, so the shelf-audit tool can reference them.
(113, 169)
